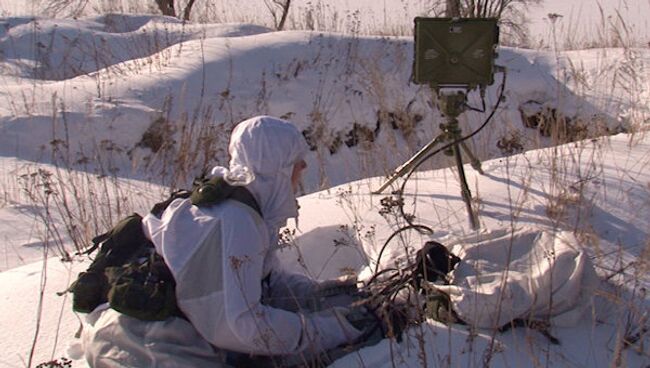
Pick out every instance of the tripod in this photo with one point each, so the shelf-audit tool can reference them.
(451, 105)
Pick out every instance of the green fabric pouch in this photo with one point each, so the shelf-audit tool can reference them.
(89, 291)
(144, 291)
(212, 191)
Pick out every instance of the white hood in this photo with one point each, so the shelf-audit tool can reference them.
(268, 148)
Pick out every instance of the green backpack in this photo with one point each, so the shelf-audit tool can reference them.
(129, 274)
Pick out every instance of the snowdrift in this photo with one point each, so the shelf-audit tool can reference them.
(139, 91)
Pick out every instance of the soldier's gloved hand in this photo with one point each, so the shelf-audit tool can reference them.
(341, 285)
(329, 328)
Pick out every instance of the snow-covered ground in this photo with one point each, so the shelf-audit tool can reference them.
(98, 115)
(343, 226)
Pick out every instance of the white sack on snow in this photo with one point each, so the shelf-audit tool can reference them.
(530, 274)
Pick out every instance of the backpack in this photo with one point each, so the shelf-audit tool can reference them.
(129, 274)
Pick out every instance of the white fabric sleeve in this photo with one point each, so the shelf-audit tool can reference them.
(267, 330)
(259, 329)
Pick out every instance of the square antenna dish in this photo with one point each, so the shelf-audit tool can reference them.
(455, 52)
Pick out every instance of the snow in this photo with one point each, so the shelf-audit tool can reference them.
(79, 95)
(343, 225)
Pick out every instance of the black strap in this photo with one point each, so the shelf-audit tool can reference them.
(159, 208)
(96, 243)
(243, 195)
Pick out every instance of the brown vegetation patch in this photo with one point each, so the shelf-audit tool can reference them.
(157, 136)
(552, 123)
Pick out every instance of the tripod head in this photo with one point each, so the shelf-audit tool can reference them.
(452, 104)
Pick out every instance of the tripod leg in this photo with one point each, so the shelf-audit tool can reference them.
(464, 188)
(405, 167)
(476, 164)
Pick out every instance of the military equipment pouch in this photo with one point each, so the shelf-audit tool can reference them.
(89, 291)
(208, 191)
(215, 190)
(145, 291)
(119, 244)
(118, 247)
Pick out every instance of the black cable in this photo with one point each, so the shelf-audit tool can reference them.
(398, 231)
(472, 108)
(376, 275)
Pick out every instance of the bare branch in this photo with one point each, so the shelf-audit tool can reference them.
(453, 8)
(285, 12)
(72, 8)
(166, 7)
(278, 9)
(188, 10)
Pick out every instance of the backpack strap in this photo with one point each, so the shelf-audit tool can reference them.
(97, 241)
(243, 195)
